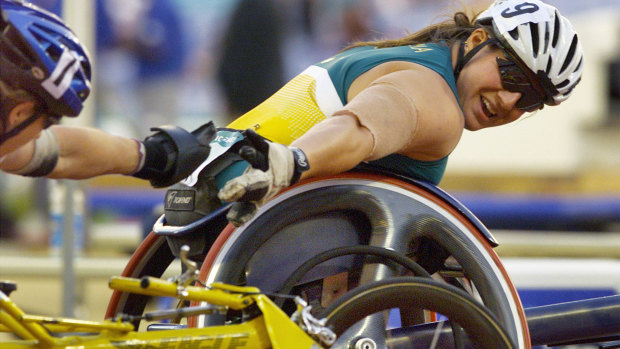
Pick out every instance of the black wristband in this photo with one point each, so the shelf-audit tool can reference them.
(172, 153)
(155, 159)
(301, 164)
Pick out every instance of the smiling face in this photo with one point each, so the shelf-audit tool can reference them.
(484, 100)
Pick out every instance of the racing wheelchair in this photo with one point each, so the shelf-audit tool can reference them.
(366, 259)
(326, 237)
(263, 324)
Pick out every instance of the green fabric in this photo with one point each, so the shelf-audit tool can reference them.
(234, 170)
(428, 171)
(346, 66)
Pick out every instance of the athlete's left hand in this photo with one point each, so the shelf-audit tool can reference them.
(273, 167)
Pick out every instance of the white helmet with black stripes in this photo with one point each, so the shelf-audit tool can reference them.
(542, 39)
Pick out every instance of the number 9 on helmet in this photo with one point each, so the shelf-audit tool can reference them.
(542, 39)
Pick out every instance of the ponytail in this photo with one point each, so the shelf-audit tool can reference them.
(449, 31)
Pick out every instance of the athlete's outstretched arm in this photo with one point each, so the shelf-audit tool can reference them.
(382, 119)
(82, 153)
(165, 157)
(88, 152)
(379, 120)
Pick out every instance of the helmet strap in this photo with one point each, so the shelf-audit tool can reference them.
(463, 58)
(19, 128)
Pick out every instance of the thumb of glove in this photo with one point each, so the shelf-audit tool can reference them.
(241, 212)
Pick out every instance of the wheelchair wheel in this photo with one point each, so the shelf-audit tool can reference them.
(157, 252)
(405, 294)
(411, 218)
(151, 258)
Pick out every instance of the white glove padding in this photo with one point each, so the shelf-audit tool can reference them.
(274, 167)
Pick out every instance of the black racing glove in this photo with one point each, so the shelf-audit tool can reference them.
(274, 167)
(172, 153)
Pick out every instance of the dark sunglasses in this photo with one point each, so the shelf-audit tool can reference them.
(516, 79)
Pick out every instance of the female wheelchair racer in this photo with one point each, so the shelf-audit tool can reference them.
(476, 74)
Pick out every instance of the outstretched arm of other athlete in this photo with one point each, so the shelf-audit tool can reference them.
(165, 157)
(83, 153)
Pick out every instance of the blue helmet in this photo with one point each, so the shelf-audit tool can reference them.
(40, 54)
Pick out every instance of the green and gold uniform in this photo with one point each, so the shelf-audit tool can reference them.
(321, 90)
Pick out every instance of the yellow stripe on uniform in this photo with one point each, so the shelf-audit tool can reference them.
(291, 111)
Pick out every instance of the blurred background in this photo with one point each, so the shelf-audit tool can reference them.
(548, 186)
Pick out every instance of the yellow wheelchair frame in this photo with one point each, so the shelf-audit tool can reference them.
(266, 326)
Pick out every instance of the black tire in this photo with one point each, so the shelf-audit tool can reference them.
(410, 293)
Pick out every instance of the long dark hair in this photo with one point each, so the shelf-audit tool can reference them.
(450, 31)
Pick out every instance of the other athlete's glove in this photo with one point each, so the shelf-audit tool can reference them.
(171, 153)
(273, 167)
